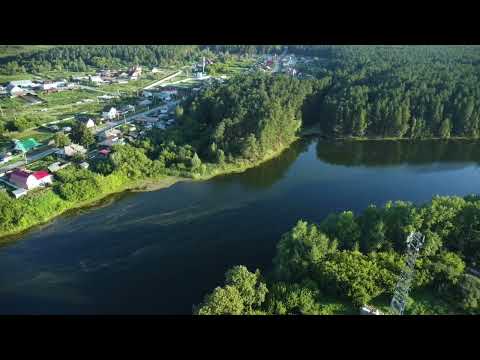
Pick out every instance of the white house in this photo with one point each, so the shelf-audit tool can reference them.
(72, 150)
(135, 72)
(95, 78)
(22, 83)
(110, 114)
(15, 90)
(112, 133)
(89, 123)
(49, 86)
(57, 166)
(147, 94)
(30, 180)
(155, 70)
(52, 85)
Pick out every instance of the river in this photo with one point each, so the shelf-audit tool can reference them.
(160, 252)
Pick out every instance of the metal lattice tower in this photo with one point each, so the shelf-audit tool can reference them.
(414, 243)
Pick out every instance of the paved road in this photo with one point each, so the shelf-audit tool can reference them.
(114, 124)
(30, 158)
(163, 80)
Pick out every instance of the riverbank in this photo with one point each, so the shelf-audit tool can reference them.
(64, 207)
(316, 131)
(142, 185)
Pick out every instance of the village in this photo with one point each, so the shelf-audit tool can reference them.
(30, 163)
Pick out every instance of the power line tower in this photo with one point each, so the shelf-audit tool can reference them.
(414, 243)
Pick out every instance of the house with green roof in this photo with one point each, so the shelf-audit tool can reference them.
(26, 145)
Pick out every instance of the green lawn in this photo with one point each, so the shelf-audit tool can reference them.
(39, 134)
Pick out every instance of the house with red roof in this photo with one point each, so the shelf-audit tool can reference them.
(30, 180)
(104, 153)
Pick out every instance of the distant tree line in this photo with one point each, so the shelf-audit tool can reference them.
(82, 57)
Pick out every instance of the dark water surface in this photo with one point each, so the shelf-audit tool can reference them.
(160, 252)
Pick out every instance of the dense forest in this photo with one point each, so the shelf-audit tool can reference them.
(412, 92)
(392, 91)
(356, 260)
(374, 91)
(246, 118)
(83, 57)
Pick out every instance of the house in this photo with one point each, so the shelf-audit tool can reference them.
(104, 153)
(109, 142)
(155, 70)
(3, 90)
(110, 114)
(26, 145)
(21, 83)
(112, 133)
(147, 94)
(57, 166)
(52, 85)
(199, 75)
(135, 72)
(15, 91)
(19, 192)
(89, 123)
(95, 78)
(72, 150)
(30, 180)
(145, 102)
(84, 165)
(146, 120)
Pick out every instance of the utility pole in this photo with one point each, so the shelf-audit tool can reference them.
(415, 242)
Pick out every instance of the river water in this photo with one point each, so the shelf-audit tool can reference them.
(160, 252)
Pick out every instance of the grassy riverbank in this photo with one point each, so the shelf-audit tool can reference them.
(56, 206)
(50, 205)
